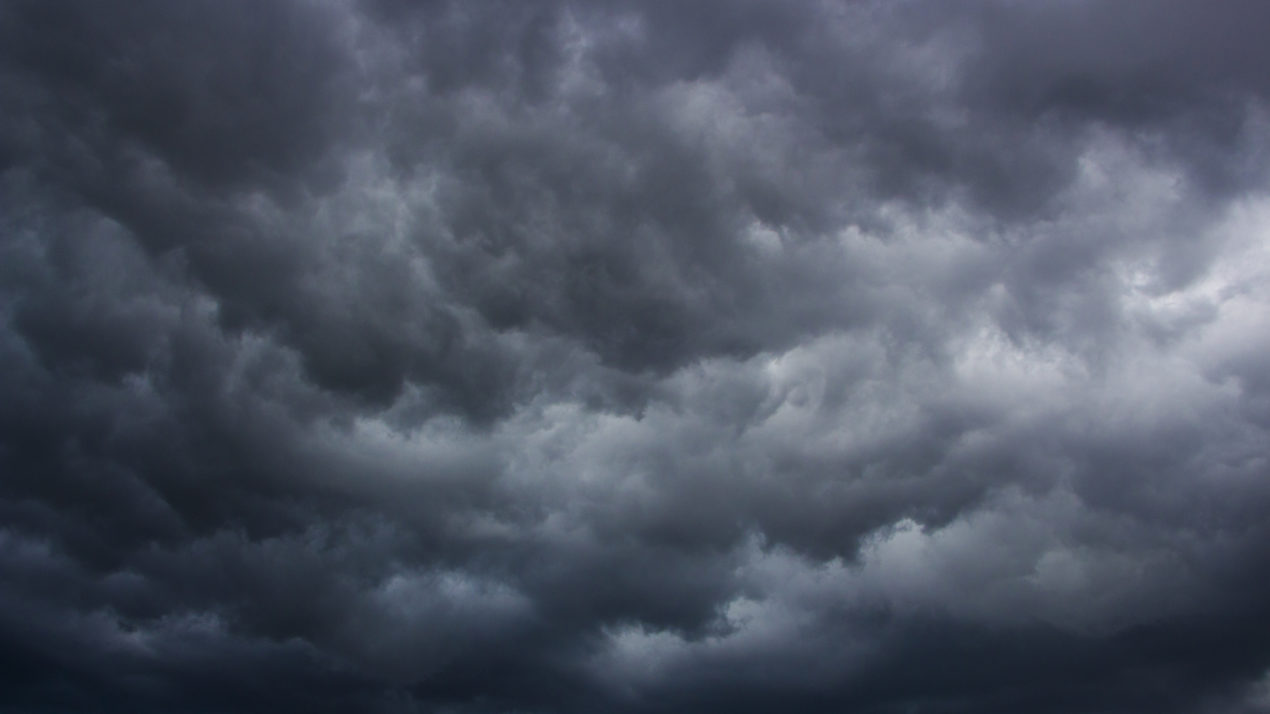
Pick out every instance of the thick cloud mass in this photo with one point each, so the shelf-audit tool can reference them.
(746, 356)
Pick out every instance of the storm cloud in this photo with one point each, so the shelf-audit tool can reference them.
(745, 356)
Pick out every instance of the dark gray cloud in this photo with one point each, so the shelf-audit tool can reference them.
(740, 356)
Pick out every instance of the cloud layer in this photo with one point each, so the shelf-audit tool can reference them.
(371, 355)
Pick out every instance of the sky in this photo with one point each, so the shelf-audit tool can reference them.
(742, 356)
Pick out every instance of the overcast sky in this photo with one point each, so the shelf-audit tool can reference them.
(658, 356)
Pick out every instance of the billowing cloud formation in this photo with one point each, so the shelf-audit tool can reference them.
(371, 355)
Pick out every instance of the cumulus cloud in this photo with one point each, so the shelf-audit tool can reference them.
(731, 356)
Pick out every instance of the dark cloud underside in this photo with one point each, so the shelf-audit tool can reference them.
(646, 357)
